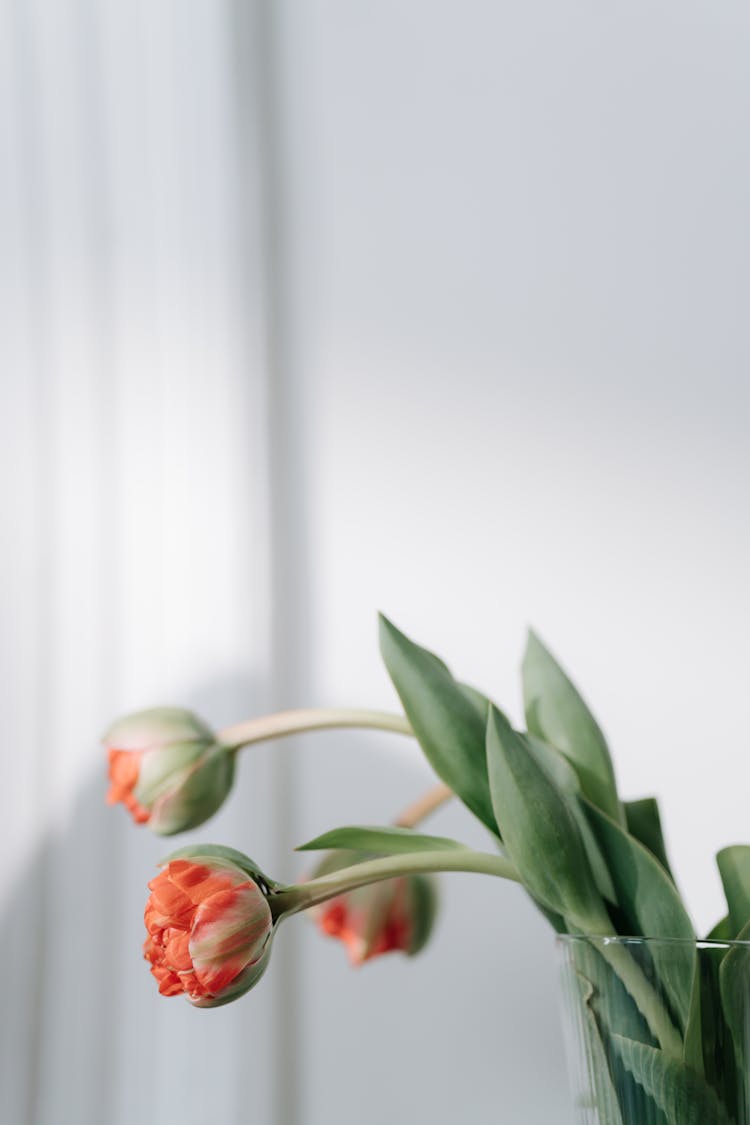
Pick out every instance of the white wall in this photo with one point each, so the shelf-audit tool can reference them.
(312, 309)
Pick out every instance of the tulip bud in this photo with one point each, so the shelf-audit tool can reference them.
(209, 929)
(167, 768)
(395, 914)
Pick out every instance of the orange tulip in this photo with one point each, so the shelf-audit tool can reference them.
(395, 915)
(167, 768)
(209, 930)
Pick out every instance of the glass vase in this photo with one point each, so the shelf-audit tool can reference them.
(657, 1031)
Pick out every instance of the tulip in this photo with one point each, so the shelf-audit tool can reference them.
(394, 915)
(167, 768)
(209, 929)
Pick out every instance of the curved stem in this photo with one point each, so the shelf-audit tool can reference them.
(651, 1005)
(647, 999)
(290, 900)
(424, 806)
(305, 719)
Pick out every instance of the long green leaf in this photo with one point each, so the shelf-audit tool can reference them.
(605, 1096)
(692, 1051)
(555, 920)
(616, 1011)
(539, 832)
(565, 778)
(448, 718)
(734, 984)
(734, 868)
(651, 905)
(382, 841)
(722, 931)
(708, 1038)
(734, 987)
(644, 822)
(556, 713)
(682, 1094)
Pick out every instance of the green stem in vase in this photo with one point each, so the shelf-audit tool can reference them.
(649, 1003)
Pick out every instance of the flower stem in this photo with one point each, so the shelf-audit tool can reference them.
(305, 719)
(647, 999)
(424, 806)
(651, 1005)
(290, 900)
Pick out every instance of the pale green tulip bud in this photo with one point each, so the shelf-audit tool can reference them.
(167, 768)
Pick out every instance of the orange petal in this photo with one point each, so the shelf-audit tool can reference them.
(333, 919)
(185, 874)
(123, 773)
(176, 952)
(229, 933)
(169, 983)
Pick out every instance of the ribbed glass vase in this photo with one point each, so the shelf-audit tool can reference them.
(657, 1031)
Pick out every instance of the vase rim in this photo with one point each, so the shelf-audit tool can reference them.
(639, 939)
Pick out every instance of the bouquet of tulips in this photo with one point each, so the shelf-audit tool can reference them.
(664, 1023)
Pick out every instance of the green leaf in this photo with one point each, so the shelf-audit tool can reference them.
(651, 905)
(565, 778)
(449, 719)
(692, 1052)
(722, 931)
(734, 983)
(615, 1010)
(380, 841)
(558, 923)
(643, 822)
(539, 832)
(683, 1095)
(734, 989)
(605, 1096)
(708, 1037)
(734, 868)
(556, 713)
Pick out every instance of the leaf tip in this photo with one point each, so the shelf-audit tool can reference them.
(386, 629)
(535, 646)
(498, 723)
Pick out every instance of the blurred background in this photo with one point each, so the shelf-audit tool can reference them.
(312, 309)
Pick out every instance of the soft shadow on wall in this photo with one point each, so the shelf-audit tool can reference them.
(86, 1037)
